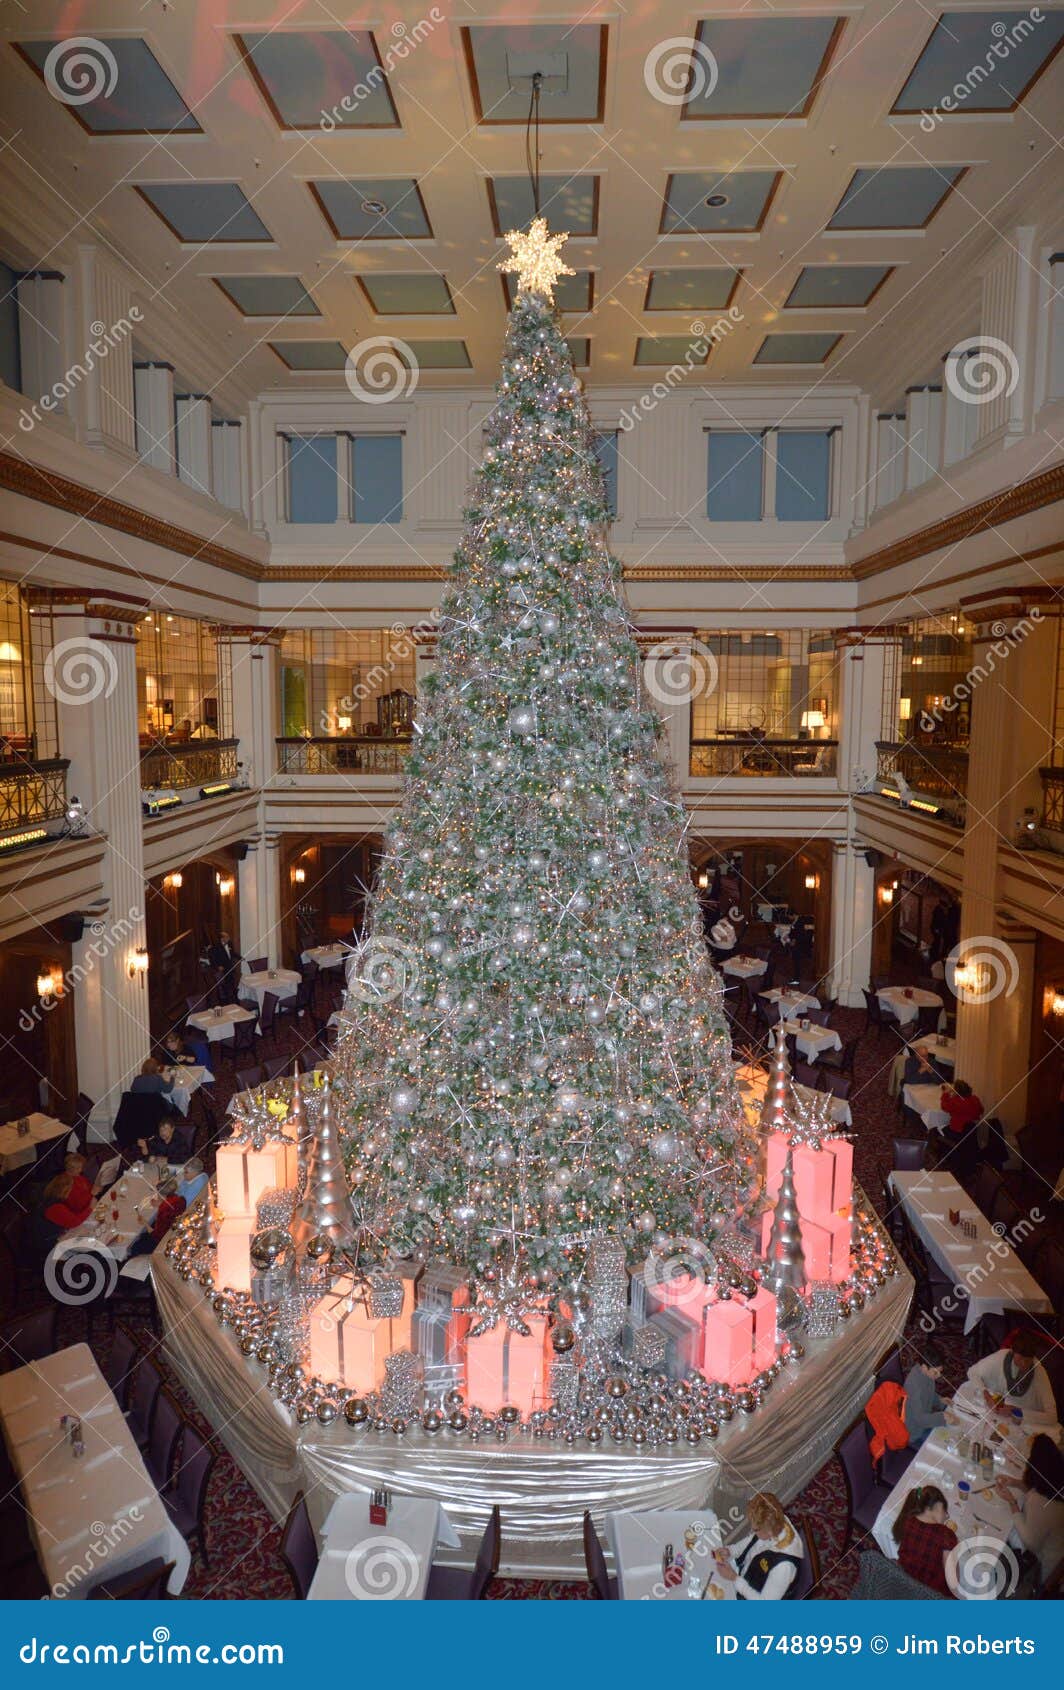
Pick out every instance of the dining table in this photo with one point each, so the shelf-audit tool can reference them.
(980, 1262)
(790, 999)
(327, 956)
(122, 1212)
(812, 1039)
(979, 1510)
(907, 1001)
(362, 1561)
(282, 982)
(187, 1078)
(924, 1098)
(640, 1541)
(18, 1149)
(745, 967)
(220, 1023)
(939, 1047)
(92, 1515)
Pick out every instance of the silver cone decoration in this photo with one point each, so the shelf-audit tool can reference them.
(775, 1111)
(326, 1206)
(210, 1230)
(786, 1258)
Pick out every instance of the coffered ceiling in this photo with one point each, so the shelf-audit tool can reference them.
(288, 180)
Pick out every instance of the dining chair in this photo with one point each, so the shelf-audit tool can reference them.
(883, 1580)
(147, 1383)
(603, 1588)
(121, 1363)
(243, 1041)
(299, 1549)
(908, 1154)
(455, 1584)
(29, 1337)
(166, 1427)
(274, 1068)
(865, 1494)
(257, 965)
(806, 1075)
(186, 1500)
(146, 1583)
(248, 1078)
(816, 1017)
(839, 1085)
(268, 1016)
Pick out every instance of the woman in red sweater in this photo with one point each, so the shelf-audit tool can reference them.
(924, 1539)
(961, 1105)
(67, 1200)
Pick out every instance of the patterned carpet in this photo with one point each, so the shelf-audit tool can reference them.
(244, 1543)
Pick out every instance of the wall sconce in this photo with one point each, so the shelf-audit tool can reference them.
(703, 880)
(137, 966)
(225, 885)
(299, 875)
(50, 985)
(886, 894)
(175, 882)
(812, 882)
(1055, 1001)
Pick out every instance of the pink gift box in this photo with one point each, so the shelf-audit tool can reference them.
(823, 1179)
(348, 1345)
(728, 1343)
(243, 1174)
(685, 1293)
(233, 1259)
(504, 1367)
(827, 1250)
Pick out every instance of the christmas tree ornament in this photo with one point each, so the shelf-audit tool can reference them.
(326, 1207)
(786, 1261)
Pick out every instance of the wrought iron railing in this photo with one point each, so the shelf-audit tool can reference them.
(1052, 799)
(796, 759)
(347, 754)
(938, 772)
(32, 792)
(195, 764)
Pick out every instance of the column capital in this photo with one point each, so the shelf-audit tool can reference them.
(249, 635)
(868, 636)
(994, 612)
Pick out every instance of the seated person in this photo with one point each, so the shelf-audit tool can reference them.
(82, 1193)
(176, 1049)
(1038, 1500)
(962, 1108)
(1013, 1377)
(62, 1204)
(172, 1140)
(171, 1204)
(191, 1180)
(921, 1069)
(924, 1408)
(924, 1539)
(152, 1080)
(762, 1565)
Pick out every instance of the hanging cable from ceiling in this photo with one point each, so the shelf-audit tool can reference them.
(532, 138)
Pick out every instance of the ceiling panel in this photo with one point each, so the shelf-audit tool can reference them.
(311, 354)
(571, 293)
(205, 212)
(417, 294)
(580, 347)
(501, 59)
(130, 92)
(759, 67)
(821, 286)
(668, 349)
(320, 79)
(268, 296)
(439, 354)
(980, 61)
(567, 202)
(691, 290)
(796, 348)
(895, 196)
(373, 208)
(712, 202)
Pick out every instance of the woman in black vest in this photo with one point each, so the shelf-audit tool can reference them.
(763, 1564)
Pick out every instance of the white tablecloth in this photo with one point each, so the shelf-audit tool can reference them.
(363, 1562)
(744, 967)
(840, 1111)
(327, 956)
(20, 1151)
(985, 1267)
(95, 1516)
(938, 1047)
(812, 1041)
(637, 1542)
(985, 1514)
(187, 1079)
(924, 1101)
(219, 1023)
(122, 1213)
(906, 1006)
(790, 1001)
(282, 982)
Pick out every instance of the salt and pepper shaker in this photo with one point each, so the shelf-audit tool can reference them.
(77, 1442)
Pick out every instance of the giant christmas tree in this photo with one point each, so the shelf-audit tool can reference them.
(533, 1049)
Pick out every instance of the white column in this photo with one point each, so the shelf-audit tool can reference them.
(670, 677)
(192, 413)
(153, 389)
(42, 337)
(852, 920)
(923, 434)
(890, 457)
(104, 349)
(862, 680)
(260, 898)
(93, 675)
(959, 417)
(227, 463)
(1007, 332)
(1055, 308)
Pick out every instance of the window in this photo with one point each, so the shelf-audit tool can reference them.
(744, 466)
(607, 450)
(803, 475)
(936, 653)
(311, 476)
(342, 681)
(736, 477)
(376, 477)
(779, 684)
(28, 711)
(184, 691)
(10, 355)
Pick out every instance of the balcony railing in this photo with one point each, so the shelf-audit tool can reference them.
(937, 772)
(758, 758)
(32, 792)
(349, 754)
(1052, 799)
(196, 763)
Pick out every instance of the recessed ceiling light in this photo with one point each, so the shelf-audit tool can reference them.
(716, 200)
(374, 208)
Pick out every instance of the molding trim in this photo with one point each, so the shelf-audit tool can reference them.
(1031, 495)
